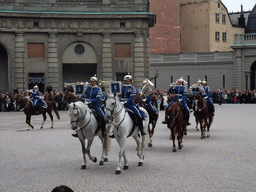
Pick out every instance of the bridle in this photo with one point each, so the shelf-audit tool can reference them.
(197, 104)
(79, 119)
(114, 115)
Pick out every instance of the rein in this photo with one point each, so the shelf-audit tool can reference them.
(176, 116)
(202, 108)
(116, 115)
(25, 105)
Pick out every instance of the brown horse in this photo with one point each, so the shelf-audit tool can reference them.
(152, 117)
(69, 96)
(27, 106)
(177, 123)
(203, 115)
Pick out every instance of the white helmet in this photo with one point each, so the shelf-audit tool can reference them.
(128, 77)
(35, 87)
(204, 82)
(180, 79)
(94, 78)
(199, 81)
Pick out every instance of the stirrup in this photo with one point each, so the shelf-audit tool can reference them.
(164, 121)
(111, 135)
(75, 134)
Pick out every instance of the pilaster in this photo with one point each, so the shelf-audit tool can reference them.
(139, 66)
(106, 57)
(53, 61)
(19, 71)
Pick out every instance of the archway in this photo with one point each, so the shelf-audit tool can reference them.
(3, 69)
(253, 73)
(79, 62)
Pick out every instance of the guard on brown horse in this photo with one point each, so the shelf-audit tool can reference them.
(27, 106)
(146, 94)
(177, 123)
(36, 101)
(202, 114)
(180, 94)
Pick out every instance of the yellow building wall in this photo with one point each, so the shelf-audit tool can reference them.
(194, 26)
(198, 26)
(221, 27)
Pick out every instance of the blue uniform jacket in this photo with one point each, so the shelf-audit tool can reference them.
(36, 100)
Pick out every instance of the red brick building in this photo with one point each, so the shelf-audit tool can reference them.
(165, 35)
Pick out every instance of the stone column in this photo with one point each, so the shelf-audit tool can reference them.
(238, 70)
(106, 58)
(147, 54)
(53, 61)
(20, 79)
(139, 68)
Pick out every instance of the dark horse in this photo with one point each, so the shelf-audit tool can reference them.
(203, 114)
(27, 107)
(177, 123)
(69, 97)
(152, 117)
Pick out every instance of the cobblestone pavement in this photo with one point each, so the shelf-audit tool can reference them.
(41, 159)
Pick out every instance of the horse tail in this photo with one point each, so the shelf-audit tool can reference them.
(108, 144)
(55, 109)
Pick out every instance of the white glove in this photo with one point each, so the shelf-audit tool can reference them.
(179, 100)
(144, 100)
(205, 97)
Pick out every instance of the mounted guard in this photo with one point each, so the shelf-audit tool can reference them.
(180, 94)
(127, 97)
(146, 94)
(92, 95)
(206, 96)
(36, 101)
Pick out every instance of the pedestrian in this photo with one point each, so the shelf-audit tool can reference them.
(49, 88)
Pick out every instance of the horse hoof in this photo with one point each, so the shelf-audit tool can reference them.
(83, 167)
(41, 127)
(118, 172)
(174, 150)
(202, 137)
(32, 127)
(150, 145)
(94, 160)
(51, 127)
(105, 159)
(180, 147)
(27, 129)
(140, 164)
(101, 163)
(208, 136)
(126, 167)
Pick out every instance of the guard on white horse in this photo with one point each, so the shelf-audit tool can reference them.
(92, 95)
(83, 120)
(127, 97)
(125, 127)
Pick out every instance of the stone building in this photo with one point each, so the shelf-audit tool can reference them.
(57, 41)
(224, 64)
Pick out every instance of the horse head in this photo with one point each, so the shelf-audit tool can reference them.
(199, 102)
(76, 114)
(113, 104)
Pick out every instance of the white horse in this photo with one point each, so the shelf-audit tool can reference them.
(83, 120)
(123, 127)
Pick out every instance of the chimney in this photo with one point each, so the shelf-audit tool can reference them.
(241, 20)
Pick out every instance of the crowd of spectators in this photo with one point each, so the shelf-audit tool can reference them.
(159, 95)
(7, 102)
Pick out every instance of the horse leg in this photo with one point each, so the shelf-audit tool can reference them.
(150, 134)
(140, 148)
(83, 166)
(173, 139)
(28, 119)
(44, 116)
(88, 150)
(121, 142)
(197, 124)
(209, 125)
(201, 128)
(51, 117)
(181, 135)
(104, 154)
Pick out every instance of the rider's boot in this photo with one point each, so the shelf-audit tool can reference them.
(165, 120)
(187, 118)
(213, 110)
(140, 124)
(75, 134)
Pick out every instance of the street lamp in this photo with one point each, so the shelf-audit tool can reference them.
(156, 75)
(23, 67)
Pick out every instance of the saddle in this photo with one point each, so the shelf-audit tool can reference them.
(134, 119)
(98, 119)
